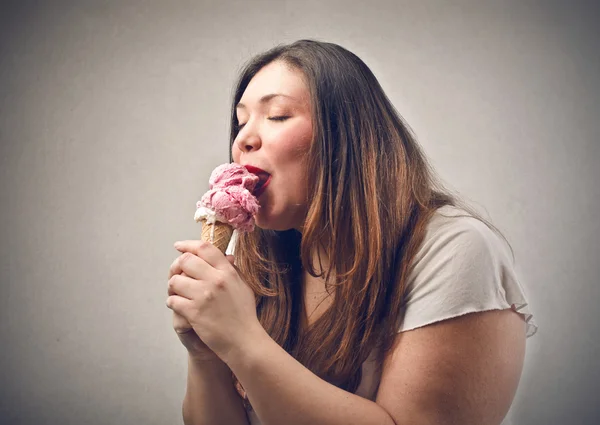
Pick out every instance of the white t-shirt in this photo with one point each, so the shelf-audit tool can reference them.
(461, 267)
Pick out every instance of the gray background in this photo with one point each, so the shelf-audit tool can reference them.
(113, 114)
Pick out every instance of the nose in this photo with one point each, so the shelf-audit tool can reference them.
(247, 140)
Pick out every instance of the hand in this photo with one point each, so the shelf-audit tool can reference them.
(188, 337)
(208, 295)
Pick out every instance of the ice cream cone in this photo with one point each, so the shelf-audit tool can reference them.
(228, 204)
(219, 234)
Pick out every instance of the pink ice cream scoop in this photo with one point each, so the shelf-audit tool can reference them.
(229, 199)
(229, 175)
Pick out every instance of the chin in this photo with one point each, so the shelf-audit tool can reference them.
(278, 223)
(273, 226)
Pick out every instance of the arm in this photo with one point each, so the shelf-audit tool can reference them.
(211, 397)
(282, 391)
(459, 371)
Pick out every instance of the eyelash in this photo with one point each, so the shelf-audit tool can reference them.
(280, 118)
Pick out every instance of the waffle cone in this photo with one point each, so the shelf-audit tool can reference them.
(219, 234)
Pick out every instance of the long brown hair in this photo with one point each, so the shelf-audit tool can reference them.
(373, 192)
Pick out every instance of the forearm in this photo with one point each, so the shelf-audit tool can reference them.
(282, 391)
(211, 397)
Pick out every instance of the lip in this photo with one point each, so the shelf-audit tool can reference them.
(255, 170)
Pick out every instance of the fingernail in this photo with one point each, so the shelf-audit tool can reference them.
(177, 244)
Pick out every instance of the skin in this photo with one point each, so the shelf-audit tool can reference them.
(463, 370)
(458, 371)
(278, 147)
(275, 136)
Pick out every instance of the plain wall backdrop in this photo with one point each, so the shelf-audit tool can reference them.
(113, 114)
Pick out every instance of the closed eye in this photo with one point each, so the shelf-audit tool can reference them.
(279, 118)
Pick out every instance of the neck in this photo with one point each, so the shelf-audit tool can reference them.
(315, 298)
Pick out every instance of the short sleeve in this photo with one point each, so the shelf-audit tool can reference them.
(462, 267)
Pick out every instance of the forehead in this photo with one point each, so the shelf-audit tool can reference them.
(275, 78)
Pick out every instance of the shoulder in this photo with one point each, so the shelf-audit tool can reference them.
(460, 256)
(453, 231)
(460, 350)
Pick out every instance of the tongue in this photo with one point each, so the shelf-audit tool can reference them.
(262, 179)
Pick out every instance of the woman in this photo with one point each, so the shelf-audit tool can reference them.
(367, 294)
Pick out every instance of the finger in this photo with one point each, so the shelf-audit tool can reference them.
(183, 286)
(179, 305)
(187, 246)
(180, 323)
(175, 268)
(231, 259)
(205, 250)
(193, 266)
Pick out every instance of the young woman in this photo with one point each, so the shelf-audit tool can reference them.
(368, 294)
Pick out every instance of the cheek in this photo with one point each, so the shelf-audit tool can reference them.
(295, 167)
(235, 154)
(294, 144)
(292, 149)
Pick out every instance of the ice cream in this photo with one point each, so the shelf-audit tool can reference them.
(229, 204)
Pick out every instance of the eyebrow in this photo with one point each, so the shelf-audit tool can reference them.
(266, 98)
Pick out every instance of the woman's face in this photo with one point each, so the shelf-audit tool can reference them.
(276, 132)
